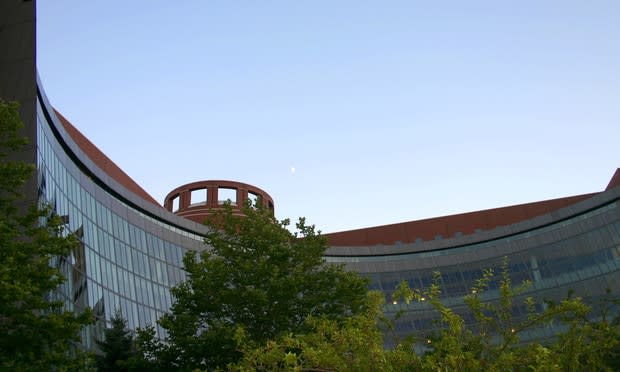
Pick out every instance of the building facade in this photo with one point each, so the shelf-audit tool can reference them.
(132, 247)
(569, 245)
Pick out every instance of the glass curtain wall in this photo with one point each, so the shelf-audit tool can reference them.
(127, 260)
(580, 254)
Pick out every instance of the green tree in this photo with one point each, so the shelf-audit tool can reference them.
(353, 344)
(592, 341)
(492, 342)
(257, 276)
(36, 333)
(117, 347)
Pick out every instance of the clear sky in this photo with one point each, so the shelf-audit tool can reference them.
(351, 113)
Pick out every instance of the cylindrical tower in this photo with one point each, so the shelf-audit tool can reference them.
(195, 200)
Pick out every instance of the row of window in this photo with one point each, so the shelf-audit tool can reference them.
(456, 280)
(120, 265)
(587, 263)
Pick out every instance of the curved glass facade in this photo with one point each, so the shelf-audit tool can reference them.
(131, 253)
(579, 253)
(128, 260)
(130, 256)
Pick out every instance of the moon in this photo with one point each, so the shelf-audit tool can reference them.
(292, 169)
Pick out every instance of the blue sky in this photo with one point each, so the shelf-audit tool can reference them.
(388, 111)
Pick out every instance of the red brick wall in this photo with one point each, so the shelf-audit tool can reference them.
(447, 226)
(103, 162)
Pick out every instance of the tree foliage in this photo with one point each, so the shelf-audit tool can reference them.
(117, 347)
(355, 344)
(255, 277)
(492, 343)
(35, 332)
(262, 299)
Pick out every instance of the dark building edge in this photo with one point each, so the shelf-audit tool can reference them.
(18, 73)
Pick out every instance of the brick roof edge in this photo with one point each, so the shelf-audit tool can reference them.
(104, 162)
